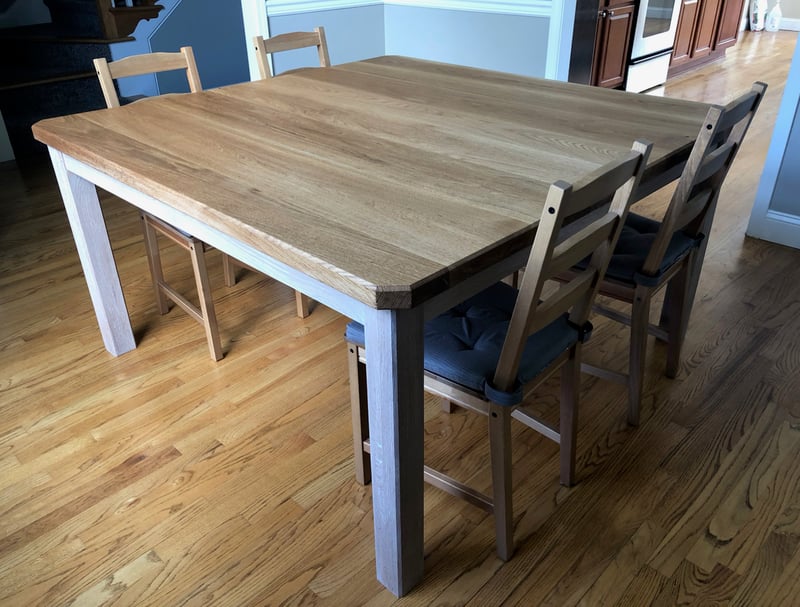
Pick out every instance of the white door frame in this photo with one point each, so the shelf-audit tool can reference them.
(765, 223)
(254, 17)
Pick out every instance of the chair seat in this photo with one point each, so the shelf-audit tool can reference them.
(635, 242)
(463, 344)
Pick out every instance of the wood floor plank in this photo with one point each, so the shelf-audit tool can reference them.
(744, 519)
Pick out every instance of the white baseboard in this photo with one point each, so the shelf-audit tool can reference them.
(792, 25)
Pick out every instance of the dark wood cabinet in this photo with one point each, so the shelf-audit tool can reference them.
(705, 29)
(730, 16)
(612, 43)
(684, 36)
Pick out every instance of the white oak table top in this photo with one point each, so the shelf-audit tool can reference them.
(388, 179)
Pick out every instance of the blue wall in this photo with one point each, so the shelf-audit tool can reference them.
(213, 29)
(215, 32)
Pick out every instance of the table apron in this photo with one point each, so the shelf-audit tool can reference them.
(319, 291)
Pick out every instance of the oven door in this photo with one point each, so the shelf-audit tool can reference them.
(656, 25)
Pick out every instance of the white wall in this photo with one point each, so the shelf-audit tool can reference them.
(353, 34)
(504, 42)
(531, 37)
(789, 8)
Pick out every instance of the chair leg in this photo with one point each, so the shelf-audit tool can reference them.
(228, 270)
(640, 318)
(360, 414)
(206, 302)
(500, 449)
(568, 416)
(154, 261)
(677, 307)
(303, 303)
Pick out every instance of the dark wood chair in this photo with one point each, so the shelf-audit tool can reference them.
(652, 255)
(488, 353)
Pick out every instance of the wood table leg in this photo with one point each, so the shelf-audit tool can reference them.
(395, 397)
(94, 249)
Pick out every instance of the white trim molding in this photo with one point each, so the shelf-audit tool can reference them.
(777, 227)
(792, 25)
(531, 8)
(559, 43)
(765, 223)
(254, 16)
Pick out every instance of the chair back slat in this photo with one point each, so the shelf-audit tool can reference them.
(715, 161)
(588, 190)
(701, 181)
(696, 205)
(565, 298)
(581, 244)
(707, 183)
(739, 108)
(610, 189)
(288, 42)
(148, 63)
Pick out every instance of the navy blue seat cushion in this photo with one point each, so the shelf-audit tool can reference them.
(131, 99)
(463, 344)
(635, 241)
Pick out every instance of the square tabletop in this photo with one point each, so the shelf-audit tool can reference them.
(387, 179)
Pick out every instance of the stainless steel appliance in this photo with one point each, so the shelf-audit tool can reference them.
(653, 39)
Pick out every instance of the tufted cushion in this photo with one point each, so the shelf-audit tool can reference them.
(635, 241)
(463, 344)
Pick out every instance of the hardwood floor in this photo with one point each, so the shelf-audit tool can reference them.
(162, 478)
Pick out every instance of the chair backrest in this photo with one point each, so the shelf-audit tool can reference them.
(288, 42)
(148, 63)
(695, 198)
(602, 198)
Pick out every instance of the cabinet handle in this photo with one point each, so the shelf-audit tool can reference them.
(603, 14)
(610, 13)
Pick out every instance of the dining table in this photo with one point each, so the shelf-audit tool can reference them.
(388, 189)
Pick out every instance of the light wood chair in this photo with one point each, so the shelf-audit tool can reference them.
(652, 255)
(488, 353)
(288, 42)
(204, 313)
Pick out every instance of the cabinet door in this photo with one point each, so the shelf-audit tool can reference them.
(729, 17)
(706, 29)
(611, 59)
(685, 34)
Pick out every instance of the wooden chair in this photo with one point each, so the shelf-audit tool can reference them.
(651, 255)
(488, 353)
(276, 44)
(204, 313)
(287, 42)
